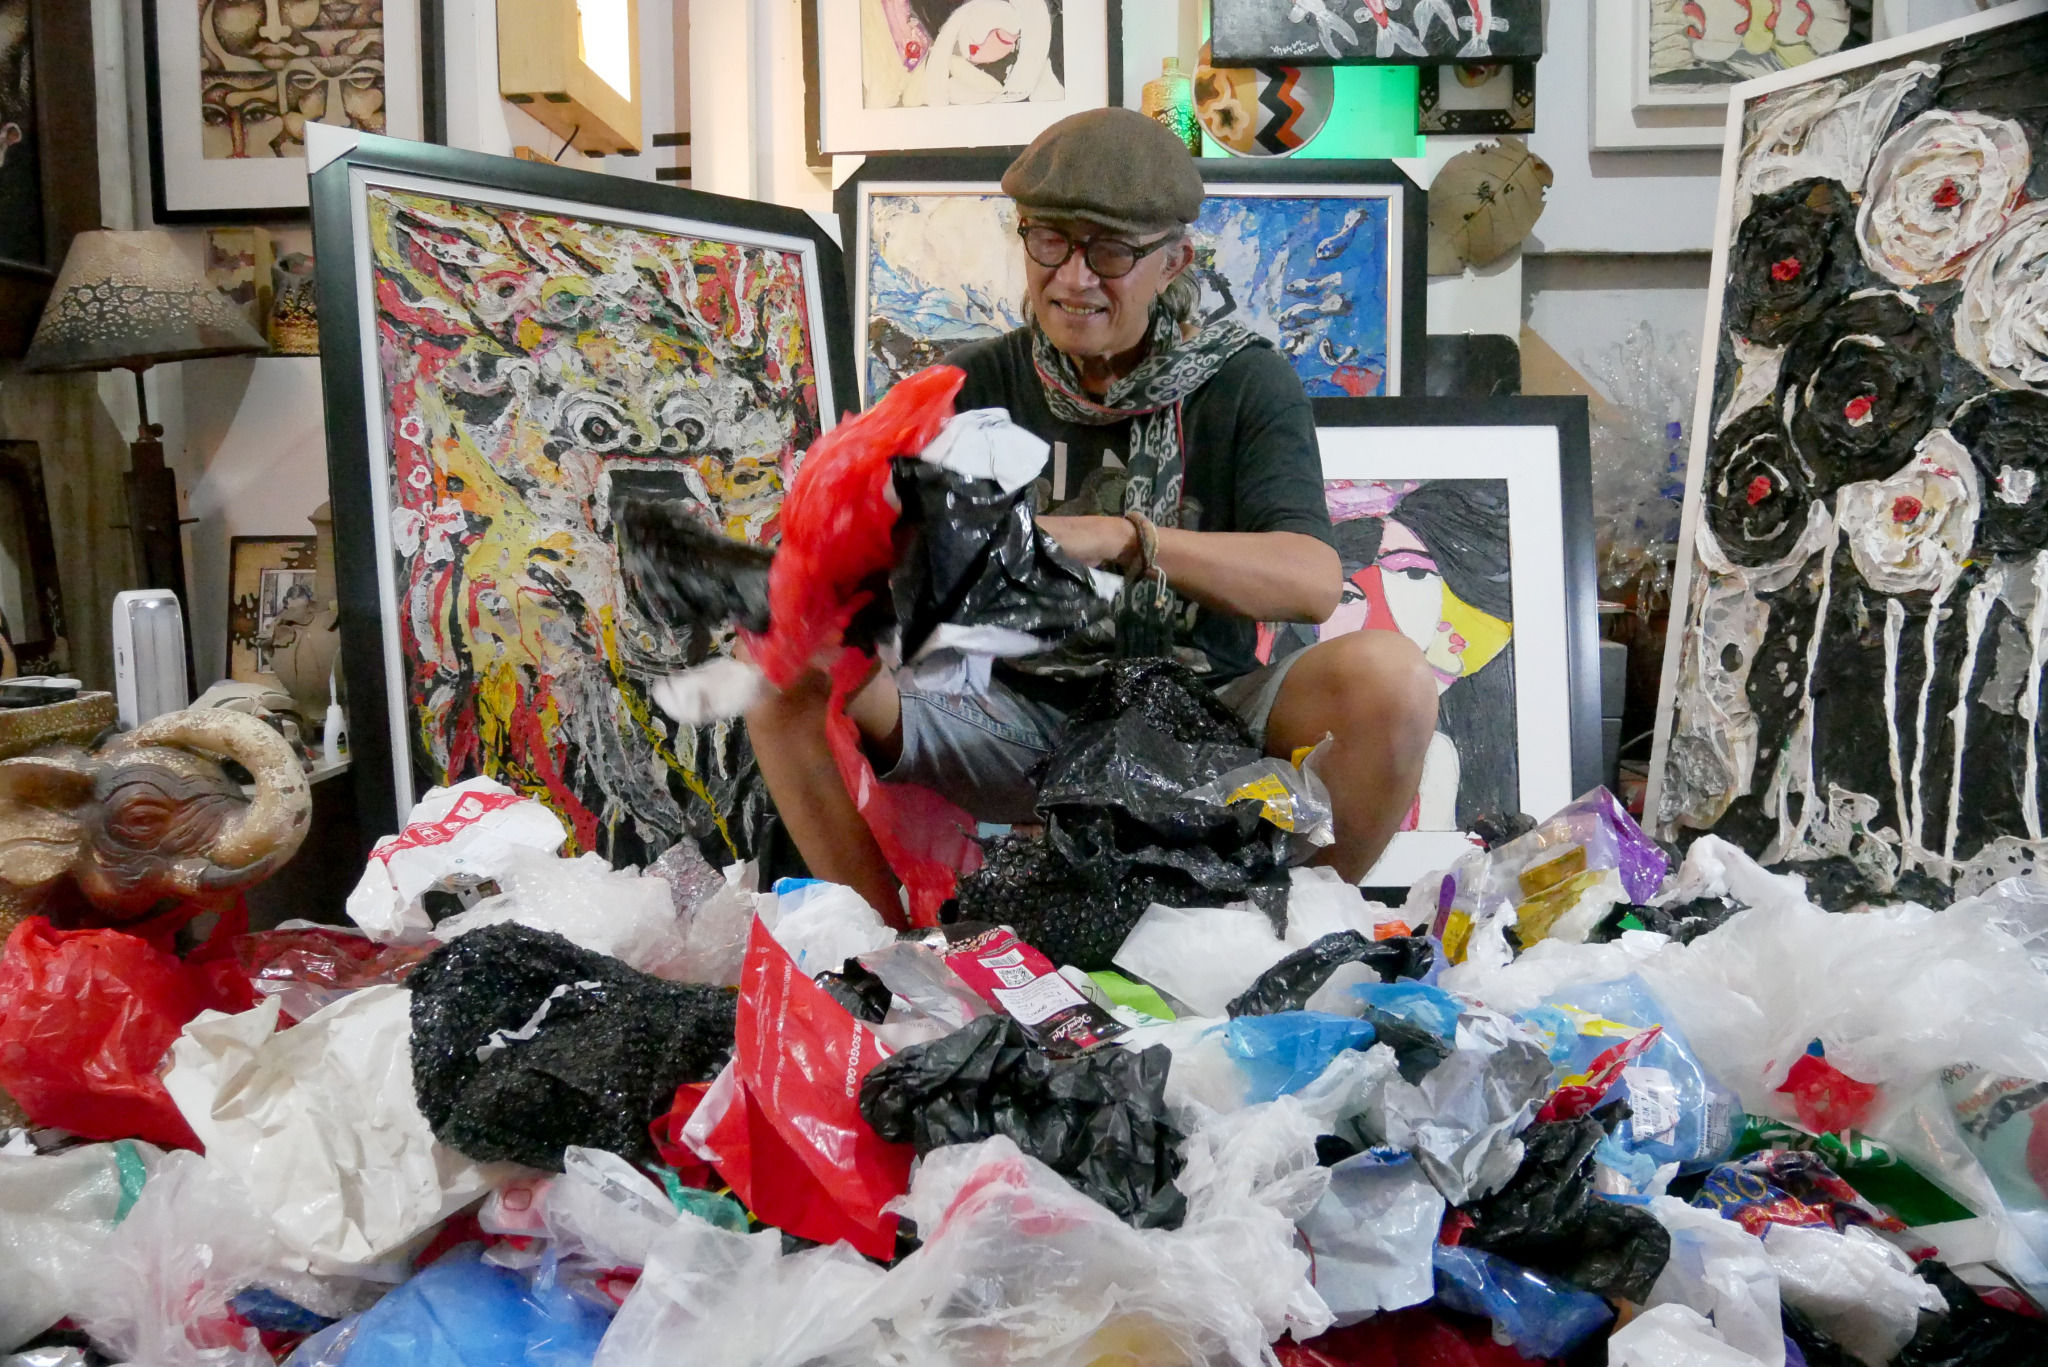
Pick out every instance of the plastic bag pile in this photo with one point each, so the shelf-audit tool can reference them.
(1565, 1104)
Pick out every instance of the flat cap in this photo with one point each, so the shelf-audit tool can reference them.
(1110, 166)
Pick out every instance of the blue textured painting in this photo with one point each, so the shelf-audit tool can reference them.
(1311, 273)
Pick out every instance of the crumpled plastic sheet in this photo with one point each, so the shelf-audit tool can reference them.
(1855, 1287)
(309, 966)
(159, 1291)
(717, 911)
(57, 1212)
(465, 1312)
(1548, 1218)
(319, 1124)
(523, 1044)
(617, 912)
(456, 840)
(1676, 1336)
(822, 925)
(1722, 1272)
(1461, 1120)
(1292, 797)
(1288, 985)
(1417, 1021)
(605, 1210)
(1372, 1233)
(1286, 1052)
(1540, 1317)
(1098, 1120)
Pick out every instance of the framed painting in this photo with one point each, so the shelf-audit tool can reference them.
(49, 154)
(1325, 259)
(1488, 97)
(1466, 525)
(233, 84)
(1329, 32)
(266, 574)
(514, 354)
(902, 75)
(1851, 686)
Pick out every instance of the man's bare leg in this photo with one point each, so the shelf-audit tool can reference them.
(788, 734)
(1375, 694)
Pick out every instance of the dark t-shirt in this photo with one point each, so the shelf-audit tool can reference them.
(1252, 460)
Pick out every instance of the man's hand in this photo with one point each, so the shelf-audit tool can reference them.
(1094, 540)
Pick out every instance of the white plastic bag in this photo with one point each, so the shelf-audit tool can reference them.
(1722, 1271)
(1201, 956)
(605, 1209)
(56, 1213)
(1372, 1233)
(1674, 1336)
(1857, 1289)
(455, 838)
(319, 1124)
(822, 925)
(619, 912)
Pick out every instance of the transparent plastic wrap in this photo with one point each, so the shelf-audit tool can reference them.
(1373, 1232)
(57, 1212)
(620, 913)
(1677, 1336)
(1290, 795)
(1720, 1270)
(1855, 1287)
(309, 966)
(1462, 1119)
(318, 1122)
(1640, 446)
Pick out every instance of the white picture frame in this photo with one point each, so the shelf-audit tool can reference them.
(1091, 78)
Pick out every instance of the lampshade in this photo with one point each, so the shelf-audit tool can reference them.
(132, 300)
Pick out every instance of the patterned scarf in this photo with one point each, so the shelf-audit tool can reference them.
(1150, 399)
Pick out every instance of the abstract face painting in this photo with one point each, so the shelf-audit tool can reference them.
(938, 53)
(270, 67)
(538, 371)
(1855, 687)
(1430, 559)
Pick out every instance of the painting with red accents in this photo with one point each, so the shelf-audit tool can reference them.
(1853, 688)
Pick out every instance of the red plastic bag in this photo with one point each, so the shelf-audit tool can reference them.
(792, 1144)
(1827, 1099)
(839, 525)
(85, 1018)
(1582, 1094)
(1417, 1337)
(667, 1132)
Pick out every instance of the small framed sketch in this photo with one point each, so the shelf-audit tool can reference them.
(265, 574)
(232, 85)
(1466, 525)
(1489, 97)
(902, 75)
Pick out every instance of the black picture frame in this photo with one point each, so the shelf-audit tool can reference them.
(21, 470)
(345, 383)
(1569, 417)
(987, 166)
(432, 45)
(1518, 117)
(814, 114)
(67, 159)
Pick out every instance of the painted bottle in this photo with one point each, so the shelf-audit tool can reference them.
(1169, 97)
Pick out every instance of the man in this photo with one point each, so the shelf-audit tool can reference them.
(1178, 450)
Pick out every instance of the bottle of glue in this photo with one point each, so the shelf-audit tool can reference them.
(334, 734)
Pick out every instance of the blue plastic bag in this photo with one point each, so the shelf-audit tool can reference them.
(1429, 1008)
(463, 1312)
(1284, 1052)
(1678, 1112)
(1540, 1317)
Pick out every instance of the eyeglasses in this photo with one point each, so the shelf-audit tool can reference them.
(1109, 257)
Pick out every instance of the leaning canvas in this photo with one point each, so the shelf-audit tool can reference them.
(1852, 687)
(527, 350)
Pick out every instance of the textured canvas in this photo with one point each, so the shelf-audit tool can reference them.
(534, 370)
(1313, 273)
(1410, 32)
(267, 68)
(1690, 44)
(1853, 689)
(1429, 558)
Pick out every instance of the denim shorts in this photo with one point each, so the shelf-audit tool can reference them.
(979, 750)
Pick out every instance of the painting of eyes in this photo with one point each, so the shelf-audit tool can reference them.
(933, 53)
(267, 68)
(1430, 560)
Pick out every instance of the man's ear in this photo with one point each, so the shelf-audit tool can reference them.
(1179, 257)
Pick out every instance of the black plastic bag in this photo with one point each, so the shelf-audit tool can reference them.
(1098, 1120)
(681, 573)
(1288, 985)
(576, 1047)
(1974, 1333)
(969, 554)
(856, 988)
(1684, 922)
(1549, 1218)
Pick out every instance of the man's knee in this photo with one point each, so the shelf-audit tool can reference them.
(1373, 680)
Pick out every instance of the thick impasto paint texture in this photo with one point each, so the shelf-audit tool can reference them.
(1313, 274)
(538, 373)
(1430, 559)
(1859, 686)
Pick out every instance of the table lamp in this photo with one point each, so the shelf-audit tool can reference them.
(128, 301)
